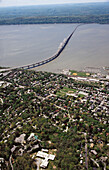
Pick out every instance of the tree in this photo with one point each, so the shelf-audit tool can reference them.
(24, 162)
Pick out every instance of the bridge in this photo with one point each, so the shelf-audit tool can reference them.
(59, 51)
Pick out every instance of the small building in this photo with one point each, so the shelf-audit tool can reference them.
(44, 150)
(81, 78)
(81, 161)
(94, 80)
(30, 137)
(1, 83)
(13, 148)
(1, 160)
(103, 159)
(44, 163)
(83, 93)
(94, 152)
(20, 139)
(91, 145)
(107, 77)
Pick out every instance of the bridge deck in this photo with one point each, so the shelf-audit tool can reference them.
(54, 56)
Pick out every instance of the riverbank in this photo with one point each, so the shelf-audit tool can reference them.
(50, 14)
(102, 19)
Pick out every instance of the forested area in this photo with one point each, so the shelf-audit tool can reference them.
(67, 117)
(45, 14)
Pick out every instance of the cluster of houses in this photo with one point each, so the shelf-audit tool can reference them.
(34, 148)
(21, 146)
(41, 88)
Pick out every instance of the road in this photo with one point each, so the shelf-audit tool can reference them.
(86, 158)
(11, 162)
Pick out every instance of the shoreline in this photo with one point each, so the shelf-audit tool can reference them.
(86, 23)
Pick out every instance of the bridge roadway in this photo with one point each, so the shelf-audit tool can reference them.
(54, 56)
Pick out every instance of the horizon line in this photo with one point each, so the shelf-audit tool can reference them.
(52, 4)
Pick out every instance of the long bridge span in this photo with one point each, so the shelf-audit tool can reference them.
(59, 51)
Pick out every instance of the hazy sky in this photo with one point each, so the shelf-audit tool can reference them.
(4, 3)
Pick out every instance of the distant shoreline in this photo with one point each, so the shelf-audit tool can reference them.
(23, 22)
(50, 14)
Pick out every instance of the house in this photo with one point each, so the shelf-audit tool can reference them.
(94, 152)
(103, 159)
(83, 93)
(1, 100)
(91, 145)
(20, 139)
(1, 160)
(13, 148)
(30, 137)
(107, 77)
(81, 161)
(1, 83)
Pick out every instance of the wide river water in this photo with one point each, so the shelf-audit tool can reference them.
(26, 44)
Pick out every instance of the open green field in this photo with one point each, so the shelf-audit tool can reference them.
(80, 74)
(65, 90)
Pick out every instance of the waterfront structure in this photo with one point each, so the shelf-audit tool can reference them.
(59, 51)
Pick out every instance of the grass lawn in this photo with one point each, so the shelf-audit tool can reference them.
(65, 90)
(80, 74)
(81, 95)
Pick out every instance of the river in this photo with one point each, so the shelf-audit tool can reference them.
(26, 44)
